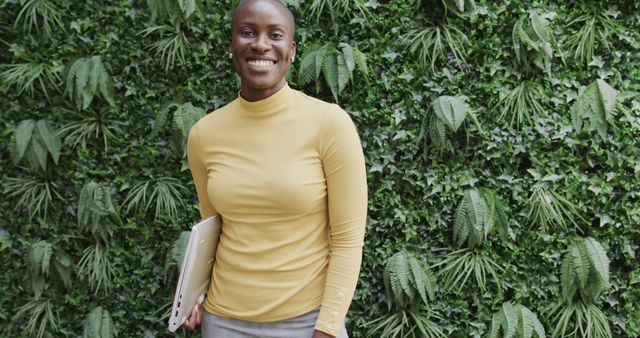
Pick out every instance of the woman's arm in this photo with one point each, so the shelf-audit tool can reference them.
(200, 177)
(199, 172)
(344, 169)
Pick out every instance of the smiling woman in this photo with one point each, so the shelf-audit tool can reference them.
(286, 173)
(262, 47)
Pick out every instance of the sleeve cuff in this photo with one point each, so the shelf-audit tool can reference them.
(332, 313)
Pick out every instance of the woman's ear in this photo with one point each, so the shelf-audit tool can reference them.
(293, 50)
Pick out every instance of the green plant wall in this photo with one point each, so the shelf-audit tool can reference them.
(535, 101)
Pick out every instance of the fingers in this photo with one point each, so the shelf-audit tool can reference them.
(200, 309)
(192, 321)
(195, 317)
(199, 313)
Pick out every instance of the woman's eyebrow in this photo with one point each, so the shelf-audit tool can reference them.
(252, 24)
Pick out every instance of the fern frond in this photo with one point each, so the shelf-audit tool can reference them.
(460, 229)
(437, 132)
(98, 324)
(360, 60)
(185, 116)
(307, 71)
(330, 73)
(596, 104)
(85, 77)
(542, 29)
(404, 277)
(344, 75)
(568, 279)
(175, 257)
(509, 320)
(581, 265)
(348, 54)
(515, 320)
(598, 259)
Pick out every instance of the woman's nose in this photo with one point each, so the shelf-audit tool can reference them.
(261, 43)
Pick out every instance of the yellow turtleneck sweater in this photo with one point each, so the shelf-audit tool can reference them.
(287, 176)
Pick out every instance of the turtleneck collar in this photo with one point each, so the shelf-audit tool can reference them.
(277, 102)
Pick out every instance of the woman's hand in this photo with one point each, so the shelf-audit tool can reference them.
(195, 318)
(320, 334)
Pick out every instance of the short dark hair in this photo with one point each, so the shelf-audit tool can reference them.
(279, 2)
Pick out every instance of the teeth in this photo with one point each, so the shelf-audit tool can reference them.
(261, 63)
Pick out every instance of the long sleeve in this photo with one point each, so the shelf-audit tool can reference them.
(199, 172)
(344, 168)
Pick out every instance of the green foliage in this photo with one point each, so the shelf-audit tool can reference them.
(560, 123)
(166, 192)
(521, 101)
(42, 258)
(449, 114)
(87, 77)
(40, 318)
(409, 285)
(586, 320)
(405, 277)
(460, 7)
(516, 321)
(98, 324)
(33, 193)
(94, 124)
(96, 211)
(34, 140)
(597, 28)
(39, 14)
(184, 117)
(407, 323)
(585, 272)
(336, 66)
(475, 217)
(175, 257)
(172, 45)
(96, 266)
(174, 11)
(28, 76)
(549, 210)
(337, 8)
(432, 43)
(532, 42)
(461, 264)
(597, 105)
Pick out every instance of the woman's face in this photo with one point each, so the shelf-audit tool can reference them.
(262, 46)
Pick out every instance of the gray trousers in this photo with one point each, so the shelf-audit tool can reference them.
(299, 327)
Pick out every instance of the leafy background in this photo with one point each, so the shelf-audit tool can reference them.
(98, 97)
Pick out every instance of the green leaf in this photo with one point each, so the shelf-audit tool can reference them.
(307, 71)
(24, 133)
(348, 54)
(509, 320)
(598, 259)
(39, 152)
(50, 139)
(330, 73)
(451, 110)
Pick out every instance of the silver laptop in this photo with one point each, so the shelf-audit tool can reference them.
(195, 274)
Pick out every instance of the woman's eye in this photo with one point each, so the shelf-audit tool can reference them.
(276, 36)
(246, 33)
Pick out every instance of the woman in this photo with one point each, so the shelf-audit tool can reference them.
(286, 173)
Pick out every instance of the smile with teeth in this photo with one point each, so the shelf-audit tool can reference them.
(262, 63)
